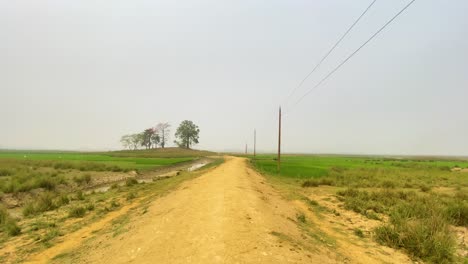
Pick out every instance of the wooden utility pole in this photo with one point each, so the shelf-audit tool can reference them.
(245, 149)
(255, 143)
(279, 141)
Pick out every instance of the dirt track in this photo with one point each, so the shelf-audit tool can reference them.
(224, 216)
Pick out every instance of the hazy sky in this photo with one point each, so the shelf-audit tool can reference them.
(79, 74)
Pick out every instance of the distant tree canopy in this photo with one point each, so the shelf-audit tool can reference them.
(163, 131)
(151, 138)
(187, 134)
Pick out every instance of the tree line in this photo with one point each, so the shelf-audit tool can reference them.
(187, 135)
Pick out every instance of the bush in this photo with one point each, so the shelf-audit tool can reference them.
(457, 213)
(90, 207)
(79, 196)
(388, 184)
(63, 200)
(131, 181)
(358, 232)
(301, 218)
(131, 196)
(425, 188)
(310, 183)
(46, 183)
(5, 172)
(428, 239)
(77, 212)
(316, 182)
(83, 179)
(12, 229)
(8, 224)
(44, 202)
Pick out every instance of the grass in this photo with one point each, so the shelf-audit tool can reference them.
(77, 212)
(407, 192)
(108, 161)
(50, 210)
(8, 225)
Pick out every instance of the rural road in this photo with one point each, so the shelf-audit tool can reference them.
(224, 216)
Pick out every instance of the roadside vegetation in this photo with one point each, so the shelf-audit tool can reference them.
(45, 195)
(419, 202)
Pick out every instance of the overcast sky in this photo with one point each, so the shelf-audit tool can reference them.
(79, 74)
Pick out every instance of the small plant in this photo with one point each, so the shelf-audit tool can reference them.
(79, 196)
(77, 212)
(425, 188)
(90, 207)
(388, 184)
(8, 224)
(301, 218)
(310, 183)
(131, 181)
(63, 200)
(12, 229)
(358, 232)
(131, 196)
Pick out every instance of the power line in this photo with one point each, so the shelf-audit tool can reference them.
(330, 51)
(352, 54)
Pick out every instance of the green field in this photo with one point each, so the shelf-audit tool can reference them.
(422, 198)
(75, 159)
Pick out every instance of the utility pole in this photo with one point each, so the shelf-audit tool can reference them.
(246, 149)
(279, 141)
(255, 143)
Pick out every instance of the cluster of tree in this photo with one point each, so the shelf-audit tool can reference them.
(187, 134)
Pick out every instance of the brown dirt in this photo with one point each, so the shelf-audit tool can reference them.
(228, 215)
(75, 239)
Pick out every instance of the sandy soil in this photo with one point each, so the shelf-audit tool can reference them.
(228, 215)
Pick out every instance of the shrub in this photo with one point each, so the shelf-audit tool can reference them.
(310, 183)
(457, 213)
(8, 224)
(5, 172)
(358, 232)
(83, 179)
(90, 207)
(301, 218)
(77, 212)
(428, 239)
(131, 196)
(388, 184)
(63, 200)
(131, 181)
(12, 229)
(79, 195)
(44, 202)
(28, 209)
(318, 182)
(425, 188)
(46, 183)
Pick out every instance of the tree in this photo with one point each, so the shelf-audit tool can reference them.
(126, 141)
(155, 139)
(187, 134)
(163, 131)
(136, 140)
(147, 137)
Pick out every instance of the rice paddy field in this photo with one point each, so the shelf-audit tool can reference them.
(108, 160)
(420, 204)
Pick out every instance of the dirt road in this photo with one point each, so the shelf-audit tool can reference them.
(228, 215)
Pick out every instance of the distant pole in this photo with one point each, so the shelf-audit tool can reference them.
(279, 141)
(255, 143)
(245, 149)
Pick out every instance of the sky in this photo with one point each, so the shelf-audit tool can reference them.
(77, 75)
